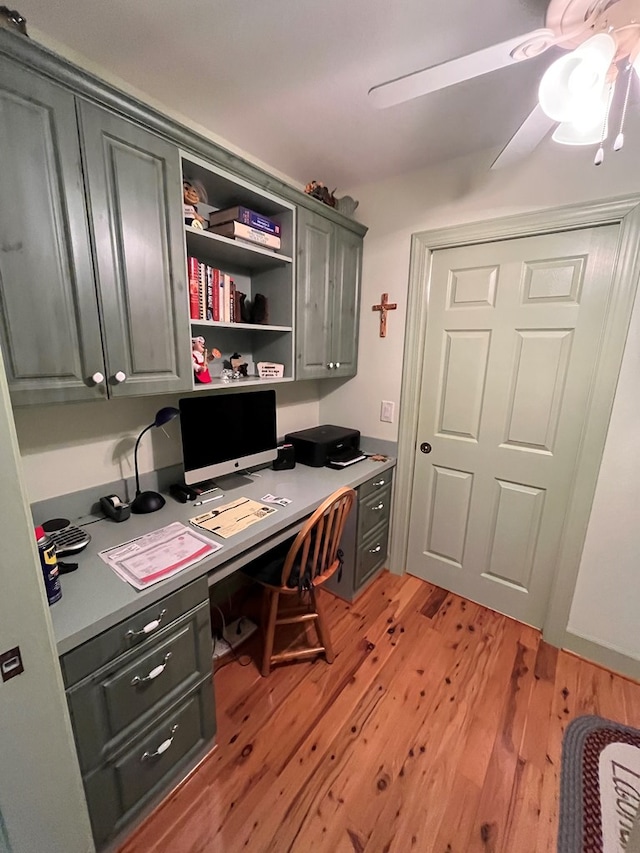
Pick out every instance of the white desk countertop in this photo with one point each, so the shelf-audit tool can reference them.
(94, 598)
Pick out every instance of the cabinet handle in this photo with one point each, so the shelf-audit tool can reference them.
(330, 365)
(337, 365)
(378, 507)
(375, 550)
(164, 746)
(158, 670)
(120, 376)
(379, 482)
(97, 378)
(151, 626)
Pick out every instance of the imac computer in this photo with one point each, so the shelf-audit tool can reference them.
(227, 433)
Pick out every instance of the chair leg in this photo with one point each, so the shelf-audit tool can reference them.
(323, 631)
(269, 628)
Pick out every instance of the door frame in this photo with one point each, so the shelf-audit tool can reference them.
(624, 211)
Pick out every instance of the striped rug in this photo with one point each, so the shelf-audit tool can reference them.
(599, 786)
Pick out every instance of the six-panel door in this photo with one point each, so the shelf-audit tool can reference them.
(511, 352)
(49, 323)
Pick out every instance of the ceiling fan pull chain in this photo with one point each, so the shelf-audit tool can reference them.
(599, 158)
(617, 145)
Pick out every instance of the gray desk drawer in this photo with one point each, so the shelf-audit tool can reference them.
(132, 632)
(372, 554)
(373, 511)
(127, 692)
(123, 785)
(375, 484)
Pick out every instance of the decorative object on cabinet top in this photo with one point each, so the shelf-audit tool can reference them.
(345, 205)
(11, 19)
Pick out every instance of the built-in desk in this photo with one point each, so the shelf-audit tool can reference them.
(94, 598)
(137, 664)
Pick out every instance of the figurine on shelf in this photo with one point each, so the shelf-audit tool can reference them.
(201, 358)
(237, 366)
(193, 193)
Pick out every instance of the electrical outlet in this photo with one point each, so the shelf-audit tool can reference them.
(386, 411)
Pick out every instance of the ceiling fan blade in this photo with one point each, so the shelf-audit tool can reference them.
(530, 134)
(457, 70)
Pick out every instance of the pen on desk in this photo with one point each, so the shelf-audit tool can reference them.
(208, 500)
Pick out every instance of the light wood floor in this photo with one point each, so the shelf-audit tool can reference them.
(438, 728)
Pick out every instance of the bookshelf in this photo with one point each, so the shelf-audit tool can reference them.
(254, 270)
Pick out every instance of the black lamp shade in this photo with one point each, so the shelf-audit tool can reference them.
(150, 501)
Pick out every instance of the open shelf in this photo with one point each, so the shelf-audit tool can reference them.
(252, 327)
(226, 251)
(217, 384)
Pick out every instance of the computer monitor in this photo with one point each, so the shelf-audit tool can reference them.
(227, 433)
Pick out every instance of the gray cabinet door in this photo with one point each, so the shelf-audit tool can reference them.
(315, 284)
(346, 301)
(49, 325)
(135, 201)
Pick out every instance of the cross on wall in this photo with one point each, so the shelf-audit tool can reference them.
(383, 307)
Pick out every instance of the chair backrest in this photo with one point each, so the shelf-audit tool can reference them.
(315, 548)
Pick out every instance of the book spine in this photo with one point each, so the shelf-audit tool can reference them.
(261, 223)
(202, 291)
(247, 217)
(225, 298)
(194, 305)
(209, 293)
(216, 294)
(241, 231)
(232, 301)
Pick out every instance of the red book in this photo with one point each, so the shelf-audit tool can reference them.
(194, 301)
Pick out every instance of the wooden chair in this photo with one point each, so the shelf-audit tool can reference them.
(299, 569)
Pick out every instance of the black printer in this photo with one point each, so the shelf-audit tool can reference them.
(330, 445)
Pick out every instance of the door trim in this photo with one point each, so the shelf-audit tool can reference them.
(624, 211)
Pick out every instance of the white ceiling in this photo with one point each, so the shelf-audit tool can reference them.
(287, 80)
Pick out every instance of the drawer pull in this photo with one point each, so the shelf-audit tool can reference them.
(378, 507)
(375, 550)
(164, 746)
(379, 482)
(149, 628)
(158, 670)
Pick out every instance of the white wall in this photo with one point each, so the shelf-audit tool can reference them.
(607, 598)
(73, 446)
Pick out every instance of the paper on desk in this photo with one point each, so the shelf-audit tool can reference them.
(232, 518)
(158, 555)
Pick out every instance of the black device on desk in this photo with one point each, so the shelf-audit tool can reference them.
(334, 446)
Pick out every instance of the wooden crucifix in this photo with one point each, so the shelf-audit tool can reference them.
(383, 307)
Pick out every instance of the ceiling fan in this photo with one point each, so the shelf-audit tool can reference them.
(602, 38)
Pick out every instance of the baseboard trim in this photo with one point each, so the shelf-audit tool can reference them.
(602, 655)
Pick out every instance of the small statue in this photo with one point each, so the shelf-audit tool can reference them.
(237, 366)
(201, 358)
(193, 193)
(317, 189)
(10, 19)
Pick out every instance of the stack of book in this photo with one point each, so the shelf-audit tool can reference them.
(246, 226)
(212, 294)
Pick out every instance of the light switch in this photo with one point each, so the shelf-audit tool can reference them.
(11, 663)
(386, 411)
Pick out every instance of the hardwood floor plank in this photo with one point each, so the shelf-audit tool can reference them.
(438, 729)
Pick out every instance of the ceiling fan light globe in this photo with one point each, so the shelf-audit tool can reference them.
(572, 81)
(568, 133)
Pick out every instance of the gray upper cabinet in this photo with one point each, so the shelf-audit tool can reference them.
(92, 276)
(134, 188)
(49, 325)
(328, 297)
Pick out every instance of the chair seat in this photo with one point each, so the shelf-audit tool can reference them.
(267, 569)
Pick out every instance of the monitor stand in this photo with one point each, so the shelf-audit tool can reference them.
(230, 482)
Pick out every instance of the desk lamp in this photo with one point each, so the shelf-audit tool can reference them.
(150, 501)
